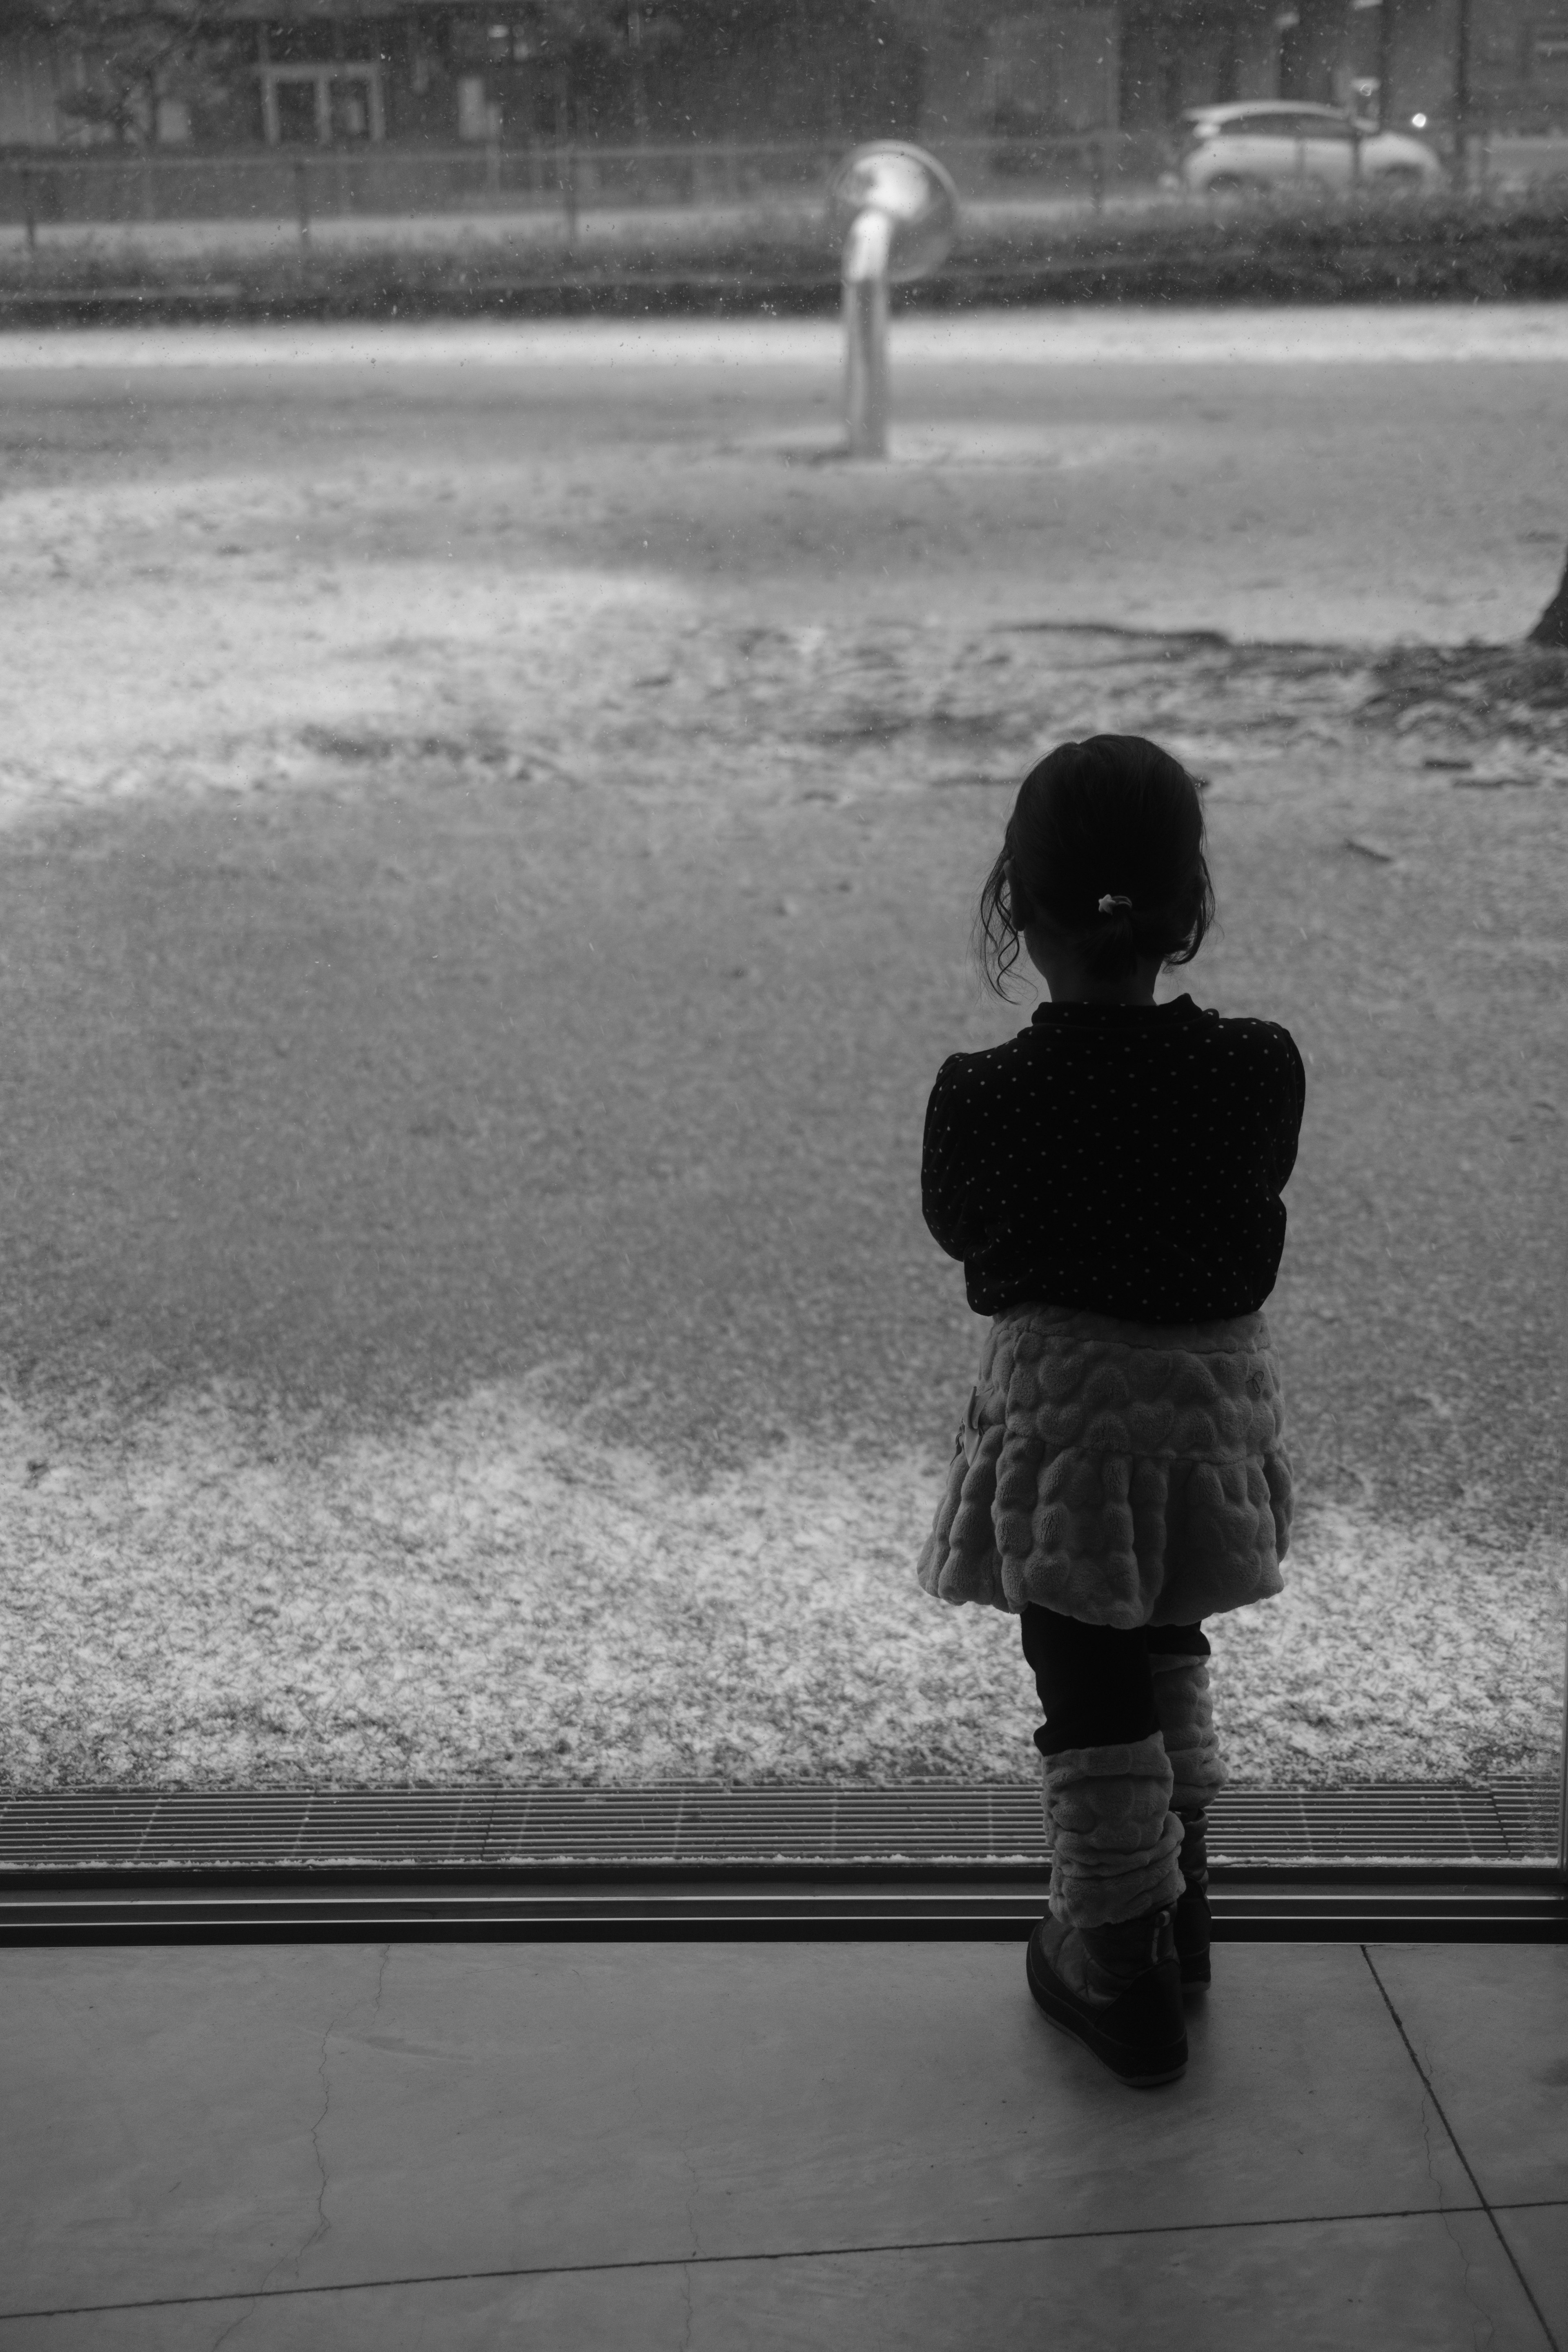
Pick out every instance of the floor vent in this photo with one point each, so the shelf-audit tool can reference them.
(686, 1824)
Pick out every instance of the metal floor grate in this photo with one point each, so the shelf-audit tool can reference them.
(696, 1823)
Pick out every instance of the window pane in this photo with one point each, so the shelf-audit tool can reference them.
(296, 110)
(500, 806)
(299, 44)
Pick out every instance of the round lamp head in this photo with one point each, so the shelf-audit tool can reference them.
(911, 191)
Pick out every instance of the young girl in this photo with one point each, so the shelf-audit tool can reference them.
(1111, 1178)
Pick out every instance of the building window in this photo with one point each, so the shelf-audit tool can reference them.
(321, 106)
(479, 115)
(302, 44)
(509, 43)
(493, 41)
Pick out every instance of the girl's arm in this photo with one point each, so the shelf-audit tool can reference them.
(1293, 1102)
(945, 1169)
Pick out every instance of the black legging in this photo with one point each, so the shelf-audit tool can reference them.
(1095, 1682)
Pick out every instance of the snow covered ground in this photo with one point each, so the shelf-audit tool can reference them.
(491, 822)
(208, 1597)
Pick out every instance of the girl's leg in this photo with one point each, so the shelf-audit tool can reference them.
(1102, 1963)
(1107, 1781)
(1095, 1682)
(1179, 1657)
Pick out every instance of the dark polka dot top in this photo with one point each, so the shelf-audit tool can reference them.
(1127, 1158)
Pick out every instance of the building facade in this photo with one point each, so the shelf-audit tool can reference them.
(341, 73)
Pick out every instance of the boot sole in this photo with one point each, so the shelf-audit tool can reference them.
(1141, 2070)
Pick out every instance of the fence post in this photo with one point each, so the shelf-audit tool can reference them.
(29, 210)
(1097, 174)
(492, 165)
(302, 200)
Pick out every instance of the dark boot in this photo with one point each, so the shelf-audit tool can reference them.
(1116, 1990)
(1185, 1708)
(1192, 1921)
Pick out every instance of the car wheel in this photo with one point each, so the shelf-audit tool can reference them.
(1233, 184)
(1401, 180)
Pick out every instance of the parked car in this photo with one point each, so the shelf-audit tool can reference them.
(1256, 145)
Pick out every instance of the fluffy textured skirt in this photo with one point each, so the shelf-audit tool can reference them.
(1121, 1472)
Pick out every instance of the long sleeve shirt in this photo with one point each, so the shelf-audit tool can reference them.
(1127, 1158)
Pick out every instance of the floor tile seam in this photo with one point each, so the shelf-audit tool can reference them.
(726, 2260)
(1490, 2211)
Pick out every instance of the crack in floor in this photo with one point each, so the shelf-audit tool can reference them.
(1430, 2099)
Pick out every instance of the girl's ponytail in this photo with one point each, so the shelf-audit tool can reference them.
(1105, 844)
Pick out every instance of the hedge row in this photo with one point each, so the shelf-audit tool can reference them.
(1409, 252)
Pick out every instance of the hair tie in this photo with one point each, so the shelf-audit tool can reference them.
(1107, 903)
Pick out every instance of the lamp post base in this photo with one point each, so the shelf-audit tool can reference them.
(866, 367)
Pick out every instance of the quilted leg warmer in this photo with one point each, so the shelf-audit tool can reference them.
(1115, 1842)
(1185, 1711)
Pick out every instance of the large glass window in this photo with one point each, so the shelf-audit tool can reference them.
(481, 925)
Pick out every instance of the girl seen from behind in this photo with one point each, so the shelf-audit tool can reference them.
(1111, 1177)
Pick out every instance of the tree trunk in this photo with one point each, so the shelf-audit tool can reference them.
(638, 86)
(1552, 629)
(1385, 65)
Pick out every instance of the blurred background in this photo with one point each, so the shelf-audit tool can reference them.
(146, 111)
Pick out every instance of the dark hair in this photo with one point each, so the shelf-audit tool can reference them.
(1114, 816)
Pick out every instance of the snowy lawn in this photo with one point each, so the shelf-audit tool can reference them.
(207, 1596)
(482, 925)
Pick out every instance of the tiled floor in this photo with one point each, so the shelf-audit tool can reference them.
(730, 2145)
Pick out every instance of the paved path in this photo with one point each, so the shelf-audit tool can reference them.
(1135, 341)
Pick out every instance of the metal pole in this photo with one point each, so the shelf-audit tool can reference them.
(866, 251)
(1561, 1420)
